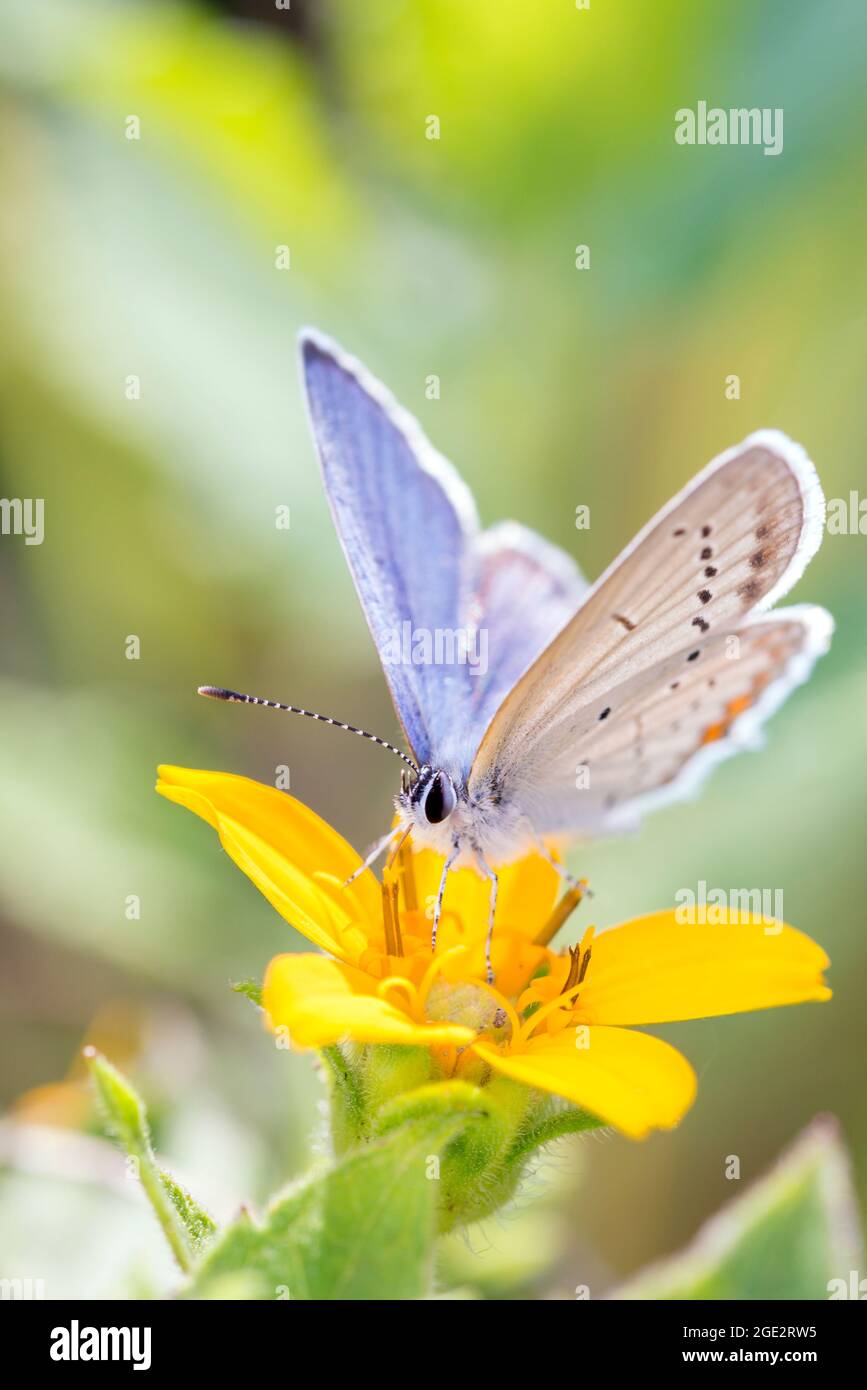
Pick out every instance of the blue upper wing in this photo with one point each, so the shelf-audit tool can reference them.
(408, 526)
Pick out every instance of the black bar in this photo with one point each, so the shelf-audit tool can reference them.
(223, 1337)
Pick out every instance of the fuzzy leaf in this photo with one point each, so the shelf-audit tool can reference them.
(794, 1233)
(187, 1227)
(250, 989)
(362, 1229)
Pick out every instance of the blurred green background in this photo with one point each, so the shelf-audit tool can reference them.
(155, 258)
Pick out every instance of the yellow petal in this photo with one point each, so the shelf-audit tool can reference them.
(630, 1080)
(281, 845)
(526, 893)
(657, 970)
(317, 1001)
(467, 893)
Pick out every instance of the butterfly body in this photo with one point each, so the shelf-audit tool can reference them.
(477, 822)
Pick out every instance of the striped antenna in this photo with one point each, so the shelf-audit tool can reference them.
(216, 692)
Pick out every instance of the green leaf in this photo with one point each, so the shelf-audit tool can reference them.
(554, 1121)
(196, 1222)
(187, 1228)
(250, 989)
(362, 1229)
(792, 1234)
(426, 1104)
(347, 1101)
(474, 1178)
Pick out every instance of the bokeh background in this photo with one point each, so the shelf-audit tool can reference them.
(155, 257)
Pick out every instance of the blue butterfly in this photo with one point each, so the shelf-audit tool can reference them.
(535, 706)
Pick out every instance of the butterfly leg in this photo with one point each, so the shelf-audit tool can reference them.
(492, 908)
(573, 882)
(398, 847)
(374, 854)
(438, 905)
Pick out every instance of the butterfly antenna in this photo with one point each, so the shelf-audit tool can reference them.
(234, 697)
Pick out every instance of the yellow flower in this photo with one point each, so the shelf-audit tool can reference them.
(560, 1023)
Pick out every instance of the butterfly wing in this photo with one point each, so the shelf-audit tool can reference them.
(676, 722)
(408, 526)
(526, 591)
(731, 543)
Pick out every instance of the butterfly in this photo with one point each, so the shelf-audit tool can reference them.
(536, 707)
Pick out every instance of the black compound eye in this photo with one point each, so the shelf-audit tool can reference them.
(440, 799)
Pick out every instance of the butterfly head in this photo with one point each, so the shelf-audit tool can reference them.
(432, 797)
(429, 805)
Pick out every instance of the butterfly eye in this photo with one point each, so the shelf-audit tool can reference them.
(440, 799)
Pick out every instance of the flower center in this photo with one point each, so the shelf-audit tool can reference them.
(473, 1005)
(567, 999)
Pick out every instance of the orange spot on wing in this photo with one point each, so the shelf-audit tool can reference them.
(714, 732)
(738, 705)
(734, 707)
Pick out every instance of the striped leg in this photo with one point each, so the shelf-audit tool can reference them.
(438, 906)
(373, 855)
(492, 909)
